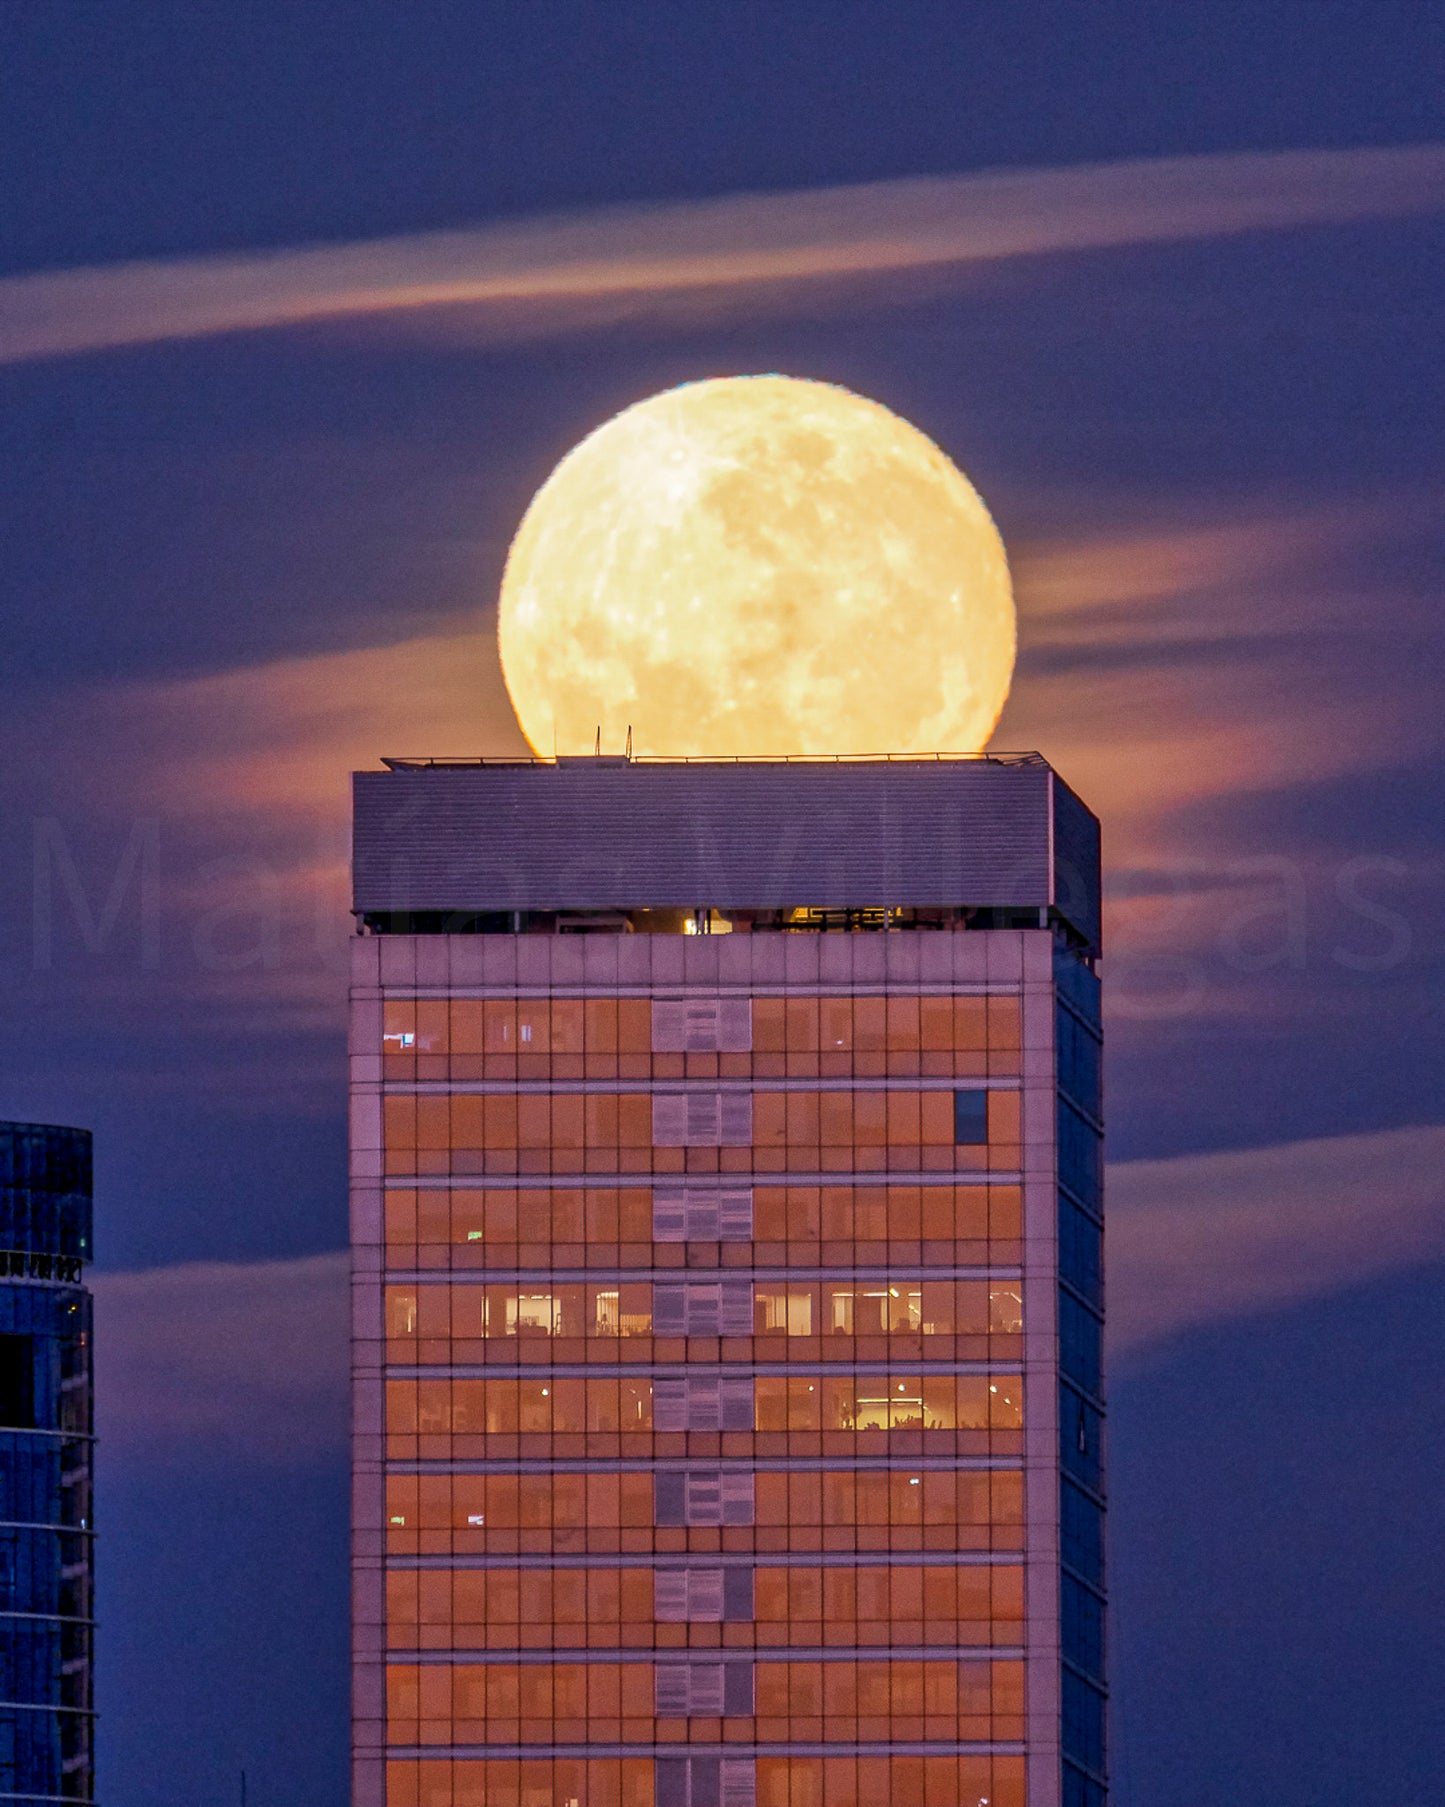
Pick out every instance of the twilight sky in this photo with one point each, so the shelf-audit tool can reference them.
(299, 305)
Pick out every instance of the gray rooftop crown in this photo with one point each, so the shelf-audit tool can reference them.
(996, 832)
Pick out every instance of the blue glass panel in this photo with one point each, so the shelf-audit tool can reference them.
(1081, 1251)
(45, 1477)
(1077, 983)
(970, 1117)
(1083, 1721)
(1081, 1344)
(1079, 1061)
(1081, 1438)
(1083, 1626)
(1082, 1534)
(1083, 1791)
(1081, 1150)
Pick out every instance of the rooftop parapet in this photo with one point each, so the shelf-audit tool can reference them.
(453, 845)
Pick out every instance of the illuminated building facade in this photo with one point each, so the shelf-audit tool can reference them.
(46, 1527)
(727, 1259)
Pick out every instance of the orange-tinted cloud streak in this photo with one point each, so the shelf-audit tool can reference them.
(248, 1360)
(520, 277)
(1204, 1239)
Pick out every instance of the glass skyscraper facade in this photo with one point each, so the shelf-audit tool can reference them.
(727, 1287)
(46, 1525)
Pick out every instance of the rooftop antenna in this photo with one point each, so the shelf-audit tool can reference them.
(598, 748)
(629, 740)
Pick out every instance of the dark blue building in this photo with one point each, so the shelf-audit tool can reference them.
(46, 1525)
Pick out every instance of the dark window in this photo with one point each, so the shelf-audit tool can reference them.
(705, 1782)
(1082, 1536)
(970, 1117)
(1078, 984)
(669, 1495)
(1081, 1791)
(737, 1594)
(1081, 1340)
(1083, 1722)
(1081, 1251)
(1078, 1053)
(1081, 1438)
(1082, 1613)
(1081, 1149)
(17, 1382)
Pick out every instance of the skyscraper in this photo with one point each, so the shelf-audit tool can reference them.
(46, 1527)
(727, 1227)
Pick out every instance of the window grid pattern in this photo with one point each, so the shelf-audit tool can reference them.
(843, 1223)
(543, 1141)
(747, 1603)
(889, 1312)
(842, 1697)
(566, 1510)
(796, 1129)
(800, 1412)
(1078, 1052)
(46, 1469)
(795, 1780)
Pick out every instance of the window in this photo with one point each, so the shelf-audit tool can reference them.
(1006, 1308)
(1080, 1251)
(703, 1596)
(533, 1314)
(1081, 1437)
(1081, 1337)
(1082, 1619)
(702, 1214)
(17, 1381)
(703, 1690)
(702, 1404)
(1082, 1721)
(1081, 1791)
(1082, 1534)
(624, 1309)
(1081, 1148)
(880, 1308)
(705, 1782)
(702, 1308)
(781, 1310)
(702, 1025)
(1078, 1052)
(702, 1497)
(970, 1117)
(882, 1403)
(702, 1119)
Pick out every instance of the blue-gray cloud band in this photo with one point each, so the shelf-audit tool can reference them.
(523, 279)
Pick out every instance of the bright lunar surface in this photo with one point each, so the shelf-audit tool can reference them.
(757, 566)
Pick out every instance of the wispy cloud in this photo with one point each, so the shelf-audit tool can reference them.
(520, 279)
(248, 1361)
(1102, 683)
(1206, 1238)
(243, 1360)
(1166, 665)
(247, 768)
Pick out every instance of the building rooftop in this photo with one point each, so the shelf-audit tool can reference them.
(512, 844)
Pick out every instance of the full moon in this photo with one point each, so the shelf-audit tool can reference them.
(757, 566)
